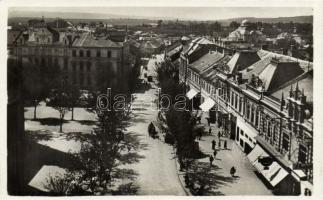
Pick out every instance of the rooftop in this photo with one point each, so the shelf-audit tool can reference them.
(206, 61)
(88, 40)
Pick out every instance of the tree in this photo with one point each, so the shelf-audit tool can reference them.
(180, 122)
(234, 24)
(60, 101)
(73, 95)
(159, 23)
(34, 90)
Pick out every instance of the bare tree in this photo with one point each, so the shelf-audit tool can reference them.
(60, 101)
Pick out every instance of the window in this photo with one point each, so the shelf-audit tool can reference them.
(81, 66)
(257, 118)
(48, 40)
(285, 142)
(89, 82)
(98, 53)
(65, 63)
(88, 53)
(81, 53)
(236, 102)
(302, 154)
(240, 105)
(81, 81)
(55, 61)
(242, 133)
(252, 114)
(74, 53)
(248, 110)
(73, 66)
(237, 133)
(269, 130)
(88, 66)
(109, 54)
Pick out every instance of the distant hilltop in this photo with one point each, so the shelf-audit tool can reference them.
(296, 19)
(23, 16)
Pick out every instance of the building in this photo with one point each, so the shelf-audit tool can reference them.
(244, 33)
(84, 57)
(264, 102)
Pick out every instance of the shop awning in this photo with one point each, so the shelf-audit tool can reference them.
(40, 180)
(207, 105)
(192, 93)
(274, 174)
(256, 153)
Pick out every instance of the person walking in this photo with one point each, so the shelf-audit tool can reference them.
(214, 153)
(210, 130)
(213, 144)
(200, 135)
(208, 122)
(232, 171)
(225, 144)
(219, 135)
(211, 160)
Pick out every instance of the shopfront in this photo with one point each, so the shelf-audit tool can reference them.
(245, 135)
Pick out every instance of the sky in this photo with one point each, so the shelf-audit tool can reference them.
(199, 13)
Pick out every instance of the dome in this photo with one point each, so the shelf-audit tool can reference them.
(244, 22)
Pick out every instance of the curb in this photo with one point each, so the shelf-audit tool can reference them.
(181, 179)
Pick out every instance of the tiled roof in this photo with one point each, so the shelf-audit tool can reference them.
(88, 40)
(242, 60)
(305, 65)
(206, 61)
(305, 82)
(277, 73)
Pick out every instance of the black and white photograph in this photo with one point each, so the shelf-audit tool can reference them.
(206, 100)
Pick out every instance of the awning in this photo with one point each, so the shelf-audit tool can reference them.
(207, 105)
(192, 93)
(40, 180)
(256, 153)
(274, 174)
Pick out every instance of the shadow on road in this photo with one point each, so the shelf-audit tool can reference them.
(202, 173)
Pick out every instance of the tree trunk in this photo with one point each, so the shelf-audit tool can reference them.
(72, 113)
(35, 108)
(61, 124)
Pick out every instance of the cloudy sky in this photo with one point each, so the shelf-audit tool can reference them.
(199, 13)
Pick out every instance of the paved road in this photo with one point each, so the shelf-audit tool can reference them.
(157, 170)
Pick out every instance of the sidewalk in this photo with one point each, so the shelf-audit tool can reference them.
(245, 181)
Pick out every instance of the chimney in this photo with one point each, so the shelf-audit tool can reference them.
(264, 47)
(239, 78)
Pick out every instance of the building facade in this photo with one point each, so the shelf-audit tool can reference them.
(82, 56)
(264, 102)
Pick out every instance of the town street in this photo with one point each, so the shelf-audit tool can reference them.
(157, 170)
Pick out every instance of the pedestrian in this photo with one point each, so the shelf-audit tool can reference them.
(219, 143)
(219, 135)
(213, 144)
(215, 152)
(225, 144)
(210, 130)
(211, 160)
(232, 171)
(200, 135)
